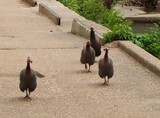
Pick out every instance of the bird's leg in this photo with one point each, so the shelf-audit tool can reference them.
(26, 94)
(89, 70)
(29, 96)
(86, 66)
(108, 81)
(104, 81)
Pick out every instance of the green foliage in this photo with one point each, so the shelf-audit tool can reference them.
(119, 34)
(149, 42)
(121, 29)
(71, 4)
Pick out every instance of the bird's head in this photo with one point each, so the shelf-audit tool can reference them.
(106, 52)
(88, 43)
(106, 49)
(92, 29)
(28, 69)
(29, 60)
(92, 34)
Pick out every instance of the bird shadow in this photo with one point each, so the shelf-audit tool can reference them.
(98, 85)
(24, 3)
(20, 99)
(83, 72)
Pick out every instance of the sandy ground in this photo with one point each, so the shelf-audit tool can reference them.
(67, 91)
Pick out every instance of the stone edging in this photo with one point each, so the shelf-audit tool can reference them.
(82, 29)
(144, 19)
(50, 13)
(142, 56)
(146, 59)
(32, 2)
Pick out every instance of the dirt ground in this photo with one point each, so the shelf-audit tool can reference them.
(67, 91)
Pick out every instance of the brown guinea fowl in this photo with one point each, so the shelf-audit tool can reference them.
(95, 44)
(87, 55)
(28, 80)
(108, 3)
(105, 66)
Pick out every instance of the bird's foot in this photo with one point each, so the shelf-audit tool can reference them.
(27, 97)
(89, 71)
(106, 83)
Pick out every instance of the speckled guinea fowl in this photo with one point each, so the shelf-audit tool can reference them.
(87, 55)
(95, 44)
(28, 80)
(105, 66)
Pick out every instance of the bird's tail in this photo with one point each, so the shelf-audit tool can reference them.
(39, 74)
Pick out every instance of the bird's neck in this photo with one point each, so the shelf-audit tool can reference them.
(92, 36)
(28, 68)
(87, 46)
(106, 55)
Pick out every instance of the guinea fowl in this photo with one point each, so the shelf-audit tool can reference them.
(105, 66)
(28, 80)
(95, 44)
(108, 3)
(87, 55)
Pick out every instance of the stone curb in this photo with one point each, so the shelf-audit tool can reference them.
(142, 56)
(137, 14)
(50, 13)
(83, 30)
(144, 19)
(32, 2)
